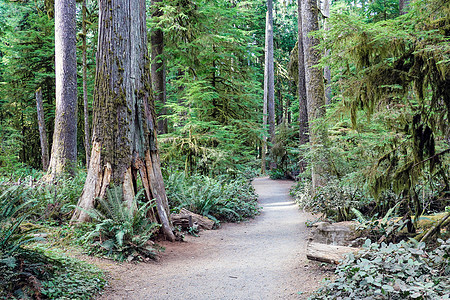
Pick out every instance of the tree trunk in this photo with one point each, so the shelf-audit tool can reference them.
(266, 76)
(158, 68)
(270, 76)
(87, 139)
(124, 131)
(403, 4)
(301, 90)
(64, 148)
(315, 96)
(326, 69)
(42, 130)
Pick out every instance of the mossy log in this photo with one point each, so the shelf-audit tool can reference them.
(187, 219)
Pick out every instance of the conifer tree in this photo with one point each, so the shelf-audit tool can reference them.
(315, 93)
(64, 148)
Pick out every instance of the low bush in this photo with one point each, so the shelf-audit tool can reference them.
(395, 271)
(220, 198)
(334, 201)
(276, 174)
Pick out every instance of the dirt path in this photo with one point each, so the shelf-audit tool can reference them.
(260, 259)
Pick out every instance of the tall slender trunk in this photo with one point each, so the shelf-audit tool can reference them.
(158, 68)
(403, 4)
(266, 76)
(326, 69)
(270, 77)
(42, 130)
(64, 148)
(315, 94)
(301, 90)
(124, 125)
(87, 139)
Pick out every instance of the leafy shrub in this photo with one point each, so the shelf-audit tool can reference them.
(123, 232)
(334, 200)
(394, 271)
(276, 174)
(220, 198)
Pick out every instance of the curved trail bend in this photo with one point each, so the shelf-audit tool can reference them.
(263, 258)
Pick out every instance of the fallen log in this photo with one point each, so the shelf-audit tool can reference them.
(331, 254)
(187, 219)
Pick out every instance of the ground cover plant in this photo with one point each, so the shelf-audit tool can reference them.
(27, 270)
(392, 271)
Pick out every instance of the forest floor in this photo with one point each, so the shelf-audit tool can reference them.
(263, 258)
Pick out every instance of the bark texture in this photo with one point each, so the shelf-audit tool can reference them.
(87, 139)
(158, 68)
(124, 128)
(266, 72)
(42, 130)
(301, 90)
(315, 95)
(64, 147)
(269, 86)
(326, 69)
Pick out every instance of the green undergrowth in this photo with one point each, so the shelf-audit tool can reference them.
(219, 198)
(28, 269)
(407, 270)
(48, 274)
(122, 232)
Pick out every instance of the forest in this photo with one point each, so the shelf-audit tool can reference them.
(117, 115)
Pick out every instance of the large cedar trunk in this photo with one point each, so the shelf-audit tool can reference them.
(158, 68)
(64, 148)
(301, 90)
(124, 131)
(315, 94)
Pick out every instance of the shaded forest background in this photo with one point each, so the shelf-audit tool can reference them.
(384, 134)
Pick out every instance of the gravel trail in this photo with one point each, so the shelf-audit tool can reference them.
(263, 258)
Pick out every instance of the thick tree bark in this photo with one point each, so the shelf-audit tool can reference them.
(301, 90)
(64, 148)
(87, 139)
(326, 69)
(158, 68)
(42, 130)
(124, 127)
(315, 95)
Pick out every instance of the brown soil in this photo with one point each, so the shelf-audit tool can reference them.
(263, 258)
